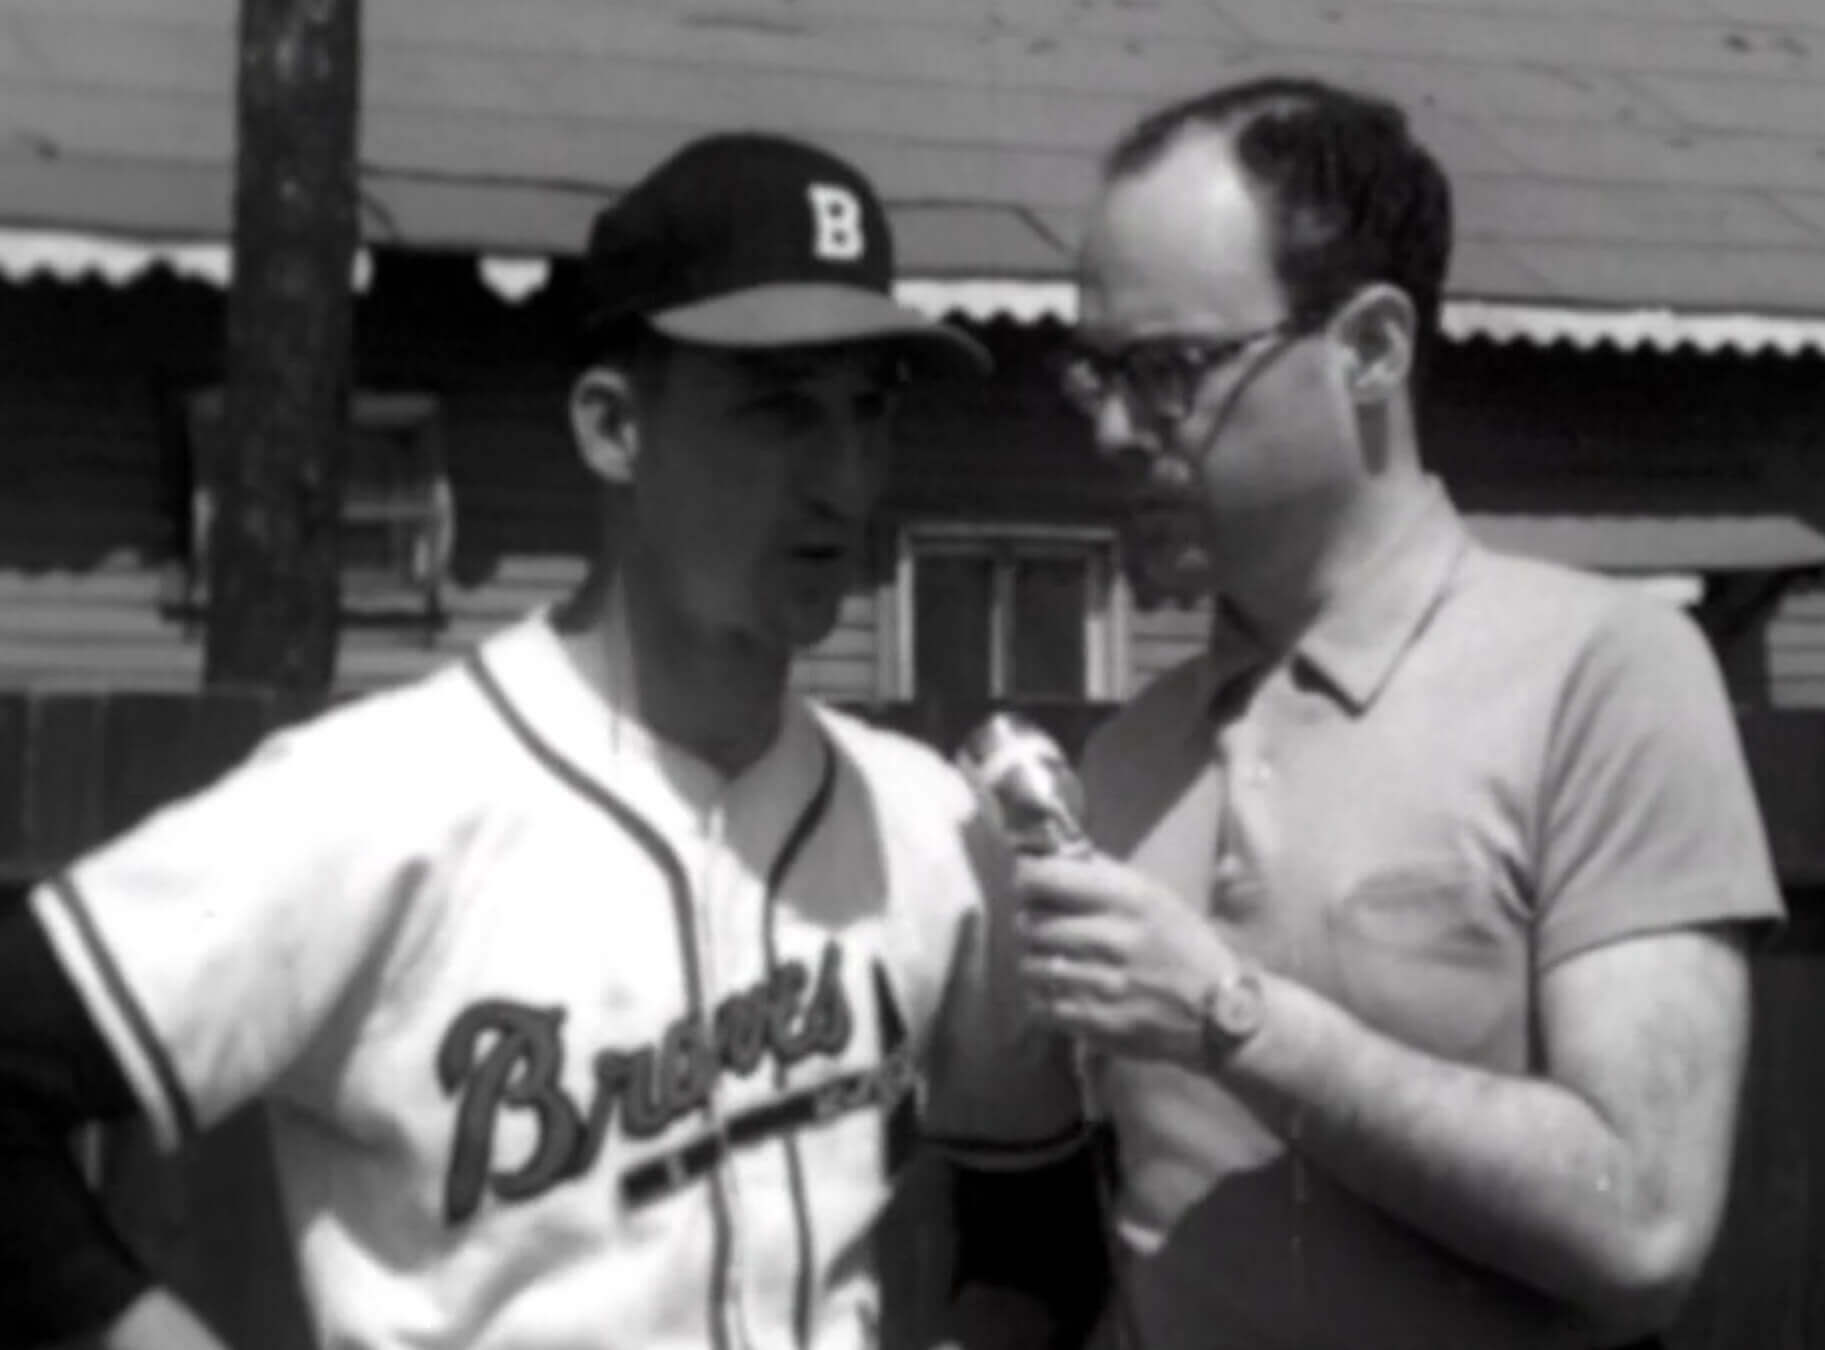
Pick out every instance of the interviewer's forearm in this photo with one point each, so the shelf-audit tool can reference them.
(1520, 1174)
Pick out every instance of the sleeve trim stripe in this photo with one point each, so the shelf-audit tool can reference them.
(73, 950)
(133, 1036)
(1010, 1153)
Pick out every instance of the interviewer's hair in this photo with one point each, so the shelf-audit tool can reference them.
(1350, 197)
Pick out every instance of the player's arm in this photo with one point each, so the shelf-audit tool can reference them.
(1031, 1268)
(64, 1271)
(1005, 1111)
(208, 972)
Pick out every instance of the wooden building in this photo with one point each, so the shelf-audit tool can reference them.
(1702, 471)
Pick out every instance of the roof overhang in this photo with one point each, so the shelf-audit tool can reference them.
(1650, 544)
(67, 256)
(1659, 159)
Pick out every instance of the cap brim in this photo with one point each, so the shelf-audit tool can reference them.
(806, 314)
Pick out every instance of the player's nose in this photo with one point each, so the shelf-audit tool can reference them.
(845, 474)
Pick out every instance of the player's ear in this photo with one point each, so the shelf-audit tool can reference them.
(605, 423)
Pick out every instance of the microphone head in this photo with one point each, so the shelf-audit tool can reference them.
(1027, 783)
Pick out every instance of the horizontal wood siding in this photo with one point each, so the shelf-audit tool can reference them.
(109, 629)
(842, 668)
(1162, 637)
(1796, 651)
(95, 476)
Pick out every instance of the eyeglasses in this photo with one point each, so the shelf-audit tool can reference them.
(1159, 374)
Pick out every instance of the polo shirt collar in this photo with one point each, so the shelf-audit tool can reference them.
(1235, 649)
(1359, 637)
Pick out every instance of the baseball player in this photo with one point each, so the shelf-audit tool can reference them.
(593, 983)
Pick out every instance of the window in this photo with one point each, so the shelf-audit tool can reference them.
(1028, 612)
(398, 512)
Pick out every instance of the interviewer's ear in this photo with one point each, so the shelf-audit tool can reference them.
(605, 424)
(1376, 330)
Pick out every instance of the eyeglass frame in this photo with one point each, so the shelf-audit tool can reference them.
(1198, 356)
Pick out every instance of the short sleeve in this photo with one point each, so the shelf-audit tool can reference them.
(1002, 1090)
(1648, 816)
(211, 942)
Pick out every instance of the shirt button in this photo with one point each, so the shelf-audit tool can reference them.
(1229, 868)
(1257, 774)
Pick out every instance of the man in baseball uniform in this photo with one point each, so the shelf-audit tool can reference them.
(592, 983)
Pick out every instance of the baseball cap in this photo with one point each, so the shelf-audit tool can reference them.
(756, 240)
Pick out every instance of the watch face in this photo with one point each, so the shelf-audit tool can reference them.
(1241, 1004)
(1232, 1012)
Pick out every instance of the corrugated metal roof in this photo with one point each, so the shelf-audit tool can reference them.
(1657, 543)
(25, 254)
(1610, 153)
(1660, 330)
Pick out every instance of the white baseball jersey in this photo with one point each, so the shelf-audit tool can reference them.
(569, 1041)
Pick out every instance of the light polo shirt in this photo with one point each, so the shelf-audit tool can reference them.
(1468, 768)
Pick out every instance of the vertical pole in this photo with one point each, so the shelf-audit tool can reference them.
(273, 572)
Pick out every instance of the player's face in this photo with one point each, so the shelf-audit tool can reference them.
(1181, 252)
(755, 481)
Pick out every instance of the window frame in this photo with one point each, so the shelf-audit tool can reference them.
(1105, 620)
(376, 598)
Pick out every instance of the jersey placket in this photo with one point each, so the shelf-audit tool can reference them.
(713, 860)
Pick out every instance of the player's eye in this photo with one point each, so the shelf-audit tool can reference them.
(877, 405)
(786, 412)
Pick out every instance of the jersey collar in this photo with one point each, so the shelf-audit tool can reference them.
(595, 731)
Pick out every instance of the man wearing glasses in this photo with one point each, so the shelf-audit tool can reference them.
(1411, 959)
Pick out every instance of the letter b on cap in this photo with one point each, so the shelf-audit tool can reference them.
(836, 219)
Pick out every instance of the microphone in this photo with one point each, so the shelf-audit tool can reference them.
(1027, 783)
(1037, 802)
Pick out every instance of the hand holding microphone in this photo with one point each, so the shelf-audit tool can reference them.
(1108, 955)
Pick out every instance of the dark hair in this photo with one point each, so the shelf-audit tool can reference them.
(1349, 195)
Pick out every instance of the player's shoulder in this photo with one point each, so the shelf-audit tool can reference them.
(419, 737)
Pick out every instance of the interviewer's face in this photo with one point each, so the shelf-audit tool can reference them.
(1182, 248)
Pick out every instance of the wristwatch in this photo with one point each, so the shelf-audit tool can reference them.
(1233, 1009)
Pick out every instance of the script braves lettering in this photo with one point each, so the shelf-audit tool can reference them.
(500, 1055)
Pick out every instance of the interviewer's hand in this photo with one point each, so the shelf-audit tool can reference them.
(1113, 957)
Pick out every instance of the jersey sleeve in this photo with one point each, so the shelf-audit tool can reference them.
(211, 942)
(1003, 1092)
(1648, 817)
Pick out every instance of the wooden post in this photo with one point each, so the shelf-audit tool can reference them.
(273, 574)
